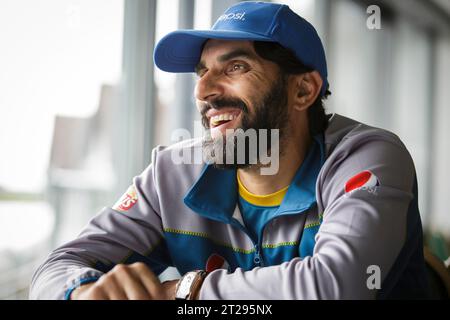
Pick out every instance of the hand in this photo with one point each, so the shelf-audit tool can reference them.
(127, 282)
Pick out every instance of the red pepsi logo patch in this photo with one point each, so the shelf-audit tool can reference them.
(127, 201)
(215, 262)
(365, 179)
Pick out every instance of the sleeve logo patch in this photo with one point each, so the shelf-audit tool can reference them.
(365, 179)
(127, 201)
(216, 262)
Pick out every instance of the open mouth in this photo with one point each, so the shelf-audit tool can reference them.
(224, 118)
(221, 119)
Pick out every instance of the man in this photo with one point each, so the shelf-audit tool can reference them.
(337, 219)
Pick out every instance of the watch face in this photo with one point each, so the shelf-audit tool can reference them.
(185, 285)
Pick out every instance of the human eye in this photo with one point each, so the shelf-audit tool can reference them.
(236, 68)
(201, 73)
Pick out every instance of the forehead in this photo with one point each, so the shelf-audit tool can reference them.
(214, 47)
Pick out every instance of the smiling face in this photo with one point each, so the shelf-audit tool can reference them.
(232, 81)
(237, 89)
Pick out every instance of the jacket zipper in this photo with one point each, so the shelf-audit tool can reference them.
(257, 259)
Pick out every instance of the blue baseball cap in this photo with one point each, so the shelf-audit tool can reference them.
(180, 51)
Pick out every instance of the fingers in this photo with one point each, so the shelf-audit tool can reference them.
(131, 283)
(111, 287)
(149, 280)
(127, 282)
(95, 292)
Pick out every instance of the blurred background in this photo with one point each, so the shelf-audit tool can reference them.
(82, 105)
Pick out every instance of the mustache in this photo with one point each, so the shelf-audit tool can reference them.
(221, 103)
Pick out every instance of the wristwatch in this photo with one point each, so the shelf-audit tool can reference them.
(189, 285)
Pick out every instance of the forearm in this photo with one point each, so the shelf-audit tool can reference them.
(308, 279)
(98, 249)
(352, 237)
(53, 280)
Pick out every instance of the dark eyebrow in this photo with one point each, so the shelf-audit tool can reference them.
(238, 53)
(199, 67)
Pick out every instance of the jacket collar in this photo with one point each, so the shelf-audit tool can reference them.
(215, 193)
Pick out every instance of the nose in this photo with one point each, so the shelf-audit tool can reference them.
(208, 87)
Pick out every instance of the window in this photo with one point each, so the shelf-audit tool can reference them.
(56, 54)
(59, 60)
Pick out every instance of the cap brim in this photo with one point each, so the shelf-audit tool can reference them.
(180, 51)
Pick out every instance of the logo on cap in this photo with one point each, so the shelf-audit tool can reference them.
(232, 16)
(365, 179)
(127, 201)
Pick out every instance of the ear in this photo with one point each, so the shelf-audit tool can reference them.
(307, 89)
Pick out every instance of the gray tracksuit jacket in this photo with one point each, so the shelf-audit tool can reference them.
(348, 228)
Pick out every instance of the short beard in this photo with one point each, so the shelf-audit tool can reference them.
(272, 113)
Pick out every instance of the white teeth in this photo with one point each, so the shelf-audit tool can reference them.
(222, 117)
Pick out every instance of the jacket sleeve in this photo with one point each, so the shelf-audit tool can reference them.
(130, 231)
(361, 228)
